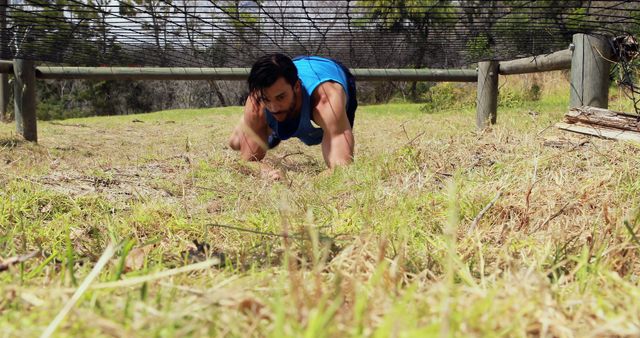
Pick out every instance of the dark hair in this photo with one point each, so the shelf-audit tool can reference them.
(268, 69)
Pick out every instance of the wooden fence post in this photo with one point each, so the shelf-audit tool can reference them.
(24, 93)
(4, 96)
(4, 49)
(590, 66)
(487, 104)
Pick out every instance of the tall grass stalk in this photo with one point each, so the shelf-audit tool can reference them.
(450, 233)
(104, 259)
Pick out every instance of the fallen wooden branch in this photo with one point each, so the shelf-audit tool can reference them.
(602, 123)
(484, 210)
(5, 264)
(552, 217)
(603, 117)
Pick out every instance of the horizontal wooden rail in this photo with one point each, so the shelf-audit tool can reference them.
(133, 73)
(141, 73)
(542, 63)
(149, 73)
(444, 75)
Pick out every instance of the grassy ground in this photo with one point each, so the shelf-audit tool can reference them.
(436, 229)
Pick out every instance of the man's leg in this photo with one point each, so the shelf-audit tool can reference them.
(273, 139)
(352, 104)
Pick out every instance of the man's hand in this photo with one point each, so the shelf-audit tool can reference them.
(326, 173)
(268, 172)
(250, 136)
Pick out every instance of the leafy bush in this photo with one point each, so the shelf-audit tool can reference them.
(515, 96)
(511, 97)
(447, 96)
(55, 110)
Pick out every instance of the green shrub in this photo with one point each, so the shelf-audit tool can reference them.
(511, 97)
(534, 92)
(447, 96)
(51, 110)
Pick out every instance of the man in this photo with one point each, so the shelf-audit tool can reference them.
(286, 96)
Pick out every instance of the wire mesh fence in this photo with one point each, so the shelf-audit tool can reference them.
(377, 33)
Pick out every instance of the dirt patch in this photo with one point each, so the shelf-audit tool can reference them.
(149, 181)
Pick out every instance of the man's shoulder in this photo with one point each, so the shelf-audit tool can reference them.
(303, 58)
(313, 64)
(327, 89)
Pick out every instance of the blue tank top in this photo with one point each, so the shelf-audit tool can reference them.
(312, 71)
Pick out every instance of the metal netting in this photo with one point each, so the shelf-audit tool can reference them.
(392, 33)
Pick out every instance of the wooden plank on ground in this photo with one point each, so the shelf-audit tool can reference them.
(603, 117)
(615, 134)
(602, 123)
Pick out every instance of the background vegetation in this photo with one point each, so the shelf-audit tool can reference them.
(221, 33)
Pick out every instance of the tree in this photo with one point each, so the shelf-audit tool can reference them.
(416, 19)
(154, 18)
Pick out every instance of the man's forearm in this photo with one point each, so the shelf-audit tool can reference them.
(249, 153)
(253, 145)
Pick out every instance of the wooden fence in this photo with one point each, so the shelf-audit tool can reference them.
(588, 58)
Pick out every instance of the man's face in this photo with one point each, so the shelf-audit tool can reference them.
(280, 99)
